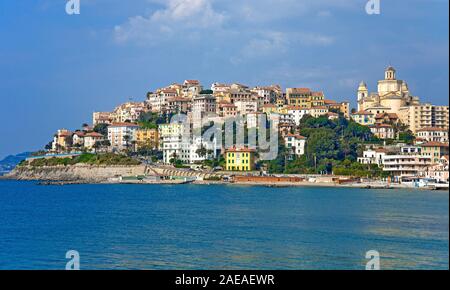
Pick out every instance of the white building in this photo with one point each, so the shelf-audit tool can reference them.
(246, 107)
(171, 141)
(298, 113)
(406, 165)
(178, 144)
(296, 143)
(373, 157)
(194, 154)
(254, 119)
(158, 100)
(383, 131)
(102, 118)
(91, 138)
(433, 134)
(121, 135)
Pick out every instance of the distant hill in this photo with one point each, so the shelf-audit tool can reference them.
(8, 164)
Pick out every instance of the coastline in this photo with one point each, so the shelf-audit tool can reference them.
(87, 174)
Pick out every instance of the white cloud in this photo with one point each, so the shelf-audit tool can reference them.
(178, 17)
(195, 13)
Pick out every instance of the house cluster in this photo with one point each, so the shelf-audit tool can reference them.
(384, 112)
(217, 103)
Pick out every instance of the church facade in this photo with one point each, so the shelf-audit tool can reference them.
(392, 95)
(393, 98)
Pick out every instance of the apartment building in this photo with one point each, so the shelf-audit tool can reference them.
(406, 165)
(171, 141)
(102, 118)
(300, 97)
(383, 131)
(433, 134)
(246, 107)
(424, 116)
(122, 135)
(373, 156)
(203, 106)
(147, 138)
(226, 110)
(435, 150)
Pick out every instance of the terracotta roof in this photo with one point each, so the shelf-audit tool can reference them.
(434, 144)
(296, 136)
(297, 108)
(168, 91)
(381, 150)
(178, 99)
(94, 134)
(79, 133)
(227, 105)
(317, 94)
(124, 125)
(390, 115)
(329, 102)
(300, 90)
(432, 129)
(269, 106)
(362, 113)
(381, 126)
(192, 82)
(239, 150)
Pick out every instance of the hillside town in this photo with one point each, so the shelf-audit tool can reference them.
(391, 135)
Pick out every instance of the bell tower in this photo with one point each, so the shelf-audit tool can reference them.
(390, 74)
(363, 93)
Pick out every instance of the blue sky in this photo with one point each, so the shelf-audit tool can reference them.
(56, 69)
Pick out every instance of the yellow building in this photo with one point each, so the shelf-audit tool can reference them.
(269, 109)
(434, 150)
(147, 138)
(242, 159)
(425, 116)
(300, 97)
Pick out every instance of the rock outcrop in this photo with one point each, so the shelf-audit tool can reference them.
(92, 173)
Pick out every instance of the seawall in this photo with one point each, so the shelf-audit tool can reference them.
(77, 172)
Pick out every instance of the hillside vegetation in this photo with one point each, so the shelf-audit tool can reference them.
(88, 159)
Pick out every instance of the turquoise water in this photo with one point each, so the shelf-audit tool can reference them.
(220, 227)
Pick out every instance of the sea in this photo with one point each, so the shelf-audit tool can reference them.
(210, 227)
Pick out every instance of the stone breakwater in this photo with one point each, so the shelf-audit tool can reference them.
(88, 173)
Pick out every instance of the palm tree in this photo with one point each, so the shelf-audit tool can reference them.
(127, 139)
